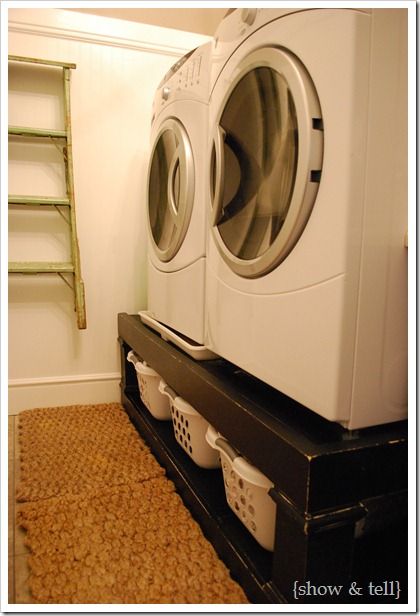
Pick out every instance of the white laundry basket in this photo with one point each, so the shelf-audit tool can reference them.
(148, 380)
(246, 491)
(190, 429)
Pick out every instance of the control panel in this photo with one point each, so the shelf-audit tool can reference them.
(187, 78)
(190, 73)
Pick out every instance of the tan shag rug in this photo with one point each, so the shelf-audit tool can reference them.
(74, 449)
(104, 525)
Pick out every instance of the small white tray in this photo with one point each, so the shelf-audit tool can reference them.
(196, 351)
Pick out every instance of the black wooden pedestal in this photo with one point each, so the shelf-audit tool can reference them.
(341, 525)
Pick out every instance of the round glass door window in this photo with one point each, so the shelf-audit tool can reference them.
(170, 189)
(266, 162)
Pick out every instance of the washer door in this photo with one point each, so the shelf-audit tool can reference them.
(170, 188)
(266, 160)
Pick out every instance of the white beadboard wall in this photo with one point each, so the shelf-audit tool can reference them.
(119, 65)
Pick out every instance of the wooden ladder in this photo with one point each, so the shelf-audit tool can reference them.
(63, 138)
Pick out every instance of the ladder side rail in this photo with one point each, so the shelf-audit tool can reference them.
(68, 154)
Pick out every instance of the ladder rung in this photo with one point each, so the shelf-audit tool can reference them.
(33, 267)
(26, 131)
(27, 200)
(38, 61)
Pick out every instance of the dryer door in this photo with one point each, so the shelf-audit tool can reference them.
(170, 188)
(266, 159)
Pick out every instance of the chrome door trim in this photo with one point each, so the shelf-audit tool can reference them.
(173, 208)
(310, 155)
(219, 163)
(180, 213)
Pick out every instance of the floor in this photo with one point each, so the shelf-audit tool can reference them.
(18, 553)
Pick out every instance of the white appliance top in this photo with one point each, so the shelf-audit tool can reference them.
(238, 24)
(188, 78)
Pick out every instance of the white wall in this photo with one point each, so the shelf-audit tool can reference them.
(119, 65)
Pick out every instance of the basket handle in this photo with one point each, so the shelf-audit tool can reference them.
(132, 358)
(171, 393)
(230, 451)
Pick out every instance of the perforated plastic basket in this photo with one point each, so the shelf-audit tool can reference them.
(190, 429)
(246, 491)
(148, 380)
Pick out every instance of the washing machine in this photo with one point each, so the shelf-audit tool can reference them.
(176, 210)
(307, 202)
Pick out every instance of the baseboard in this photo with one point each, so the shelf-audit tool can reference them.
(62, 391)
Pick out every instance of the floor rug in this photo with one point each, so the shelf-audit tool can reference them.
(111, 535)
(74, 449)
(127, 544)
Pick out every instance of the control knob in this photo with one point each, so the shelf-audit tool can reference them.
(248, 16)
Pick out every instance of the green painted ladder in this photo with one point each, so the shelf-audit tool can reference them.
(73, 267)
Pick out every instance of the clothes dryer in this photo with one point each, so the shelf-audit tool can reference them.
(175, 199)
(307, 259)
